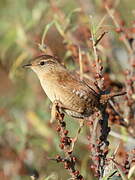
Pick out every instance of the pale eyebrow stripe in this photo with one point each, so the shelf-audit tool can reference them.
(48, 62)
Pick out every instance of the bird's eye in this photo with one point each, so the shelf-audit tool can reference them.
(42, 63)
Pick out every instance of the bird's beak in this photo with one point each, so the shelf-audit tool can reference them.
(27, 65)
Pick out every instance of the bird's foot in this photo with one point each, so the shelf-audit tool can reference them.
(56, 110)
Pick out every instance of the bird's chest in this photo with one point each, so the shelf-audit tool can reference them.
(50, 90)
(53, 90)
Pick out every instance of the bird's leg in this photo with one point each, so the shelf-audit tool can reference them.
(56, 109)
(74, 140)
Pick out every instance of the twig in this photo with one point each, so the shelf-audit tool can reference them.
(129, 102)
(100, 129)
(120, 170)
(98, 65)
(81, 64)
(127, 139)
(110, 12)
(99, 39)
(66, 146)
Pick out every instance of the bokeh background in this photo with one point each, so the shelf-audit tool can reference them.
(58, 27)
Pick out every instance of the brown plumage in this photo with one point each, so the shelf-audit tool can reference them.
(77, 98)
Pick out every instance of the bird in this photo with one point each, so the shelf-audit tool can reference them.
(74, 96)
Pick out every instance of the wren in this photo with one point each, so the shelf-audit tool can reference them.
(76, 97)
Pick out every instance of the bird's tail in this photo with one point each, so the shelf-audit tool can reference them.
(106, 97)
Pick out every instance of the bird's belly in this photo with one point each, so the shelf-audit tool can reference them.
(52, 92)
(73, 106)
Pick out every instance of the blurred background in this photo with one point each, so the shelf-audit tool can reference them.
(58, 27)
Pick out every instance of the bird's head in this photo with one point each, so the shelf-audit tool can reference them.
(43, 64)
